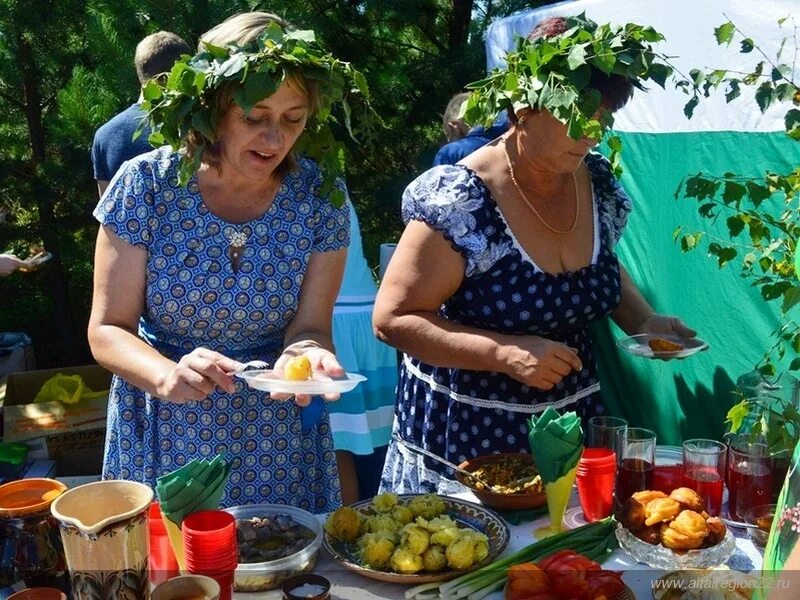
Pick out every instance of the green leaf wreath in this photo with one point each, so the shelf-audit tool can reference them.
(554, 74)
(181, 102)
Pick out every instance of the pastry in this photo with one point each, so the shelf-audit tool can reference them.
(646, 495)
(298, 369)
(675, 540)
(661, 510)
(716, 531)
(649, 535)
(690, 524)
(688, 498)
(662, 345)
(632, 515)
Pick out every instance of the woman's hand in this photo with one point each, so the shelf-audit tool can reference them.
(198, 374)
(655, 324)
(537, 361)
(322, 361)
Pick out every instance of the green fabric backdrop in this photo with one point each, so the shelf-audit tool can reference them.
(690, 397)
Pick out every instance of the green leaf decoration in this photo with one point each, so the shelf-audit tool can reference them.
(180, 105)
(554, 74)
(737, 415)
(747, 46)
(792, 122)
(724, 33)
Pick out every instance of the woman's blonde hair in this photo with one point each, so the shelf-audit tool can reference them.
(243, 30)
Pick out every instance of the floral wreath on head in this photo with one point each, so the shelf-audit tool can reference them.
(181, 103)
(554, 74)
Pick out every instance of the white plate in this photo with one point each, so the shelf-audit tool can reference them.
(638, 345)
(266, 381)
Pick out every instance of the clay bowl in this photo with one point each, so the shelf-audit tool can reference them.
(517, 501)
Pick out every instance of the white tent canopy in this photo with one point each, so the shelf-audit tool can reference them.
(688, 26)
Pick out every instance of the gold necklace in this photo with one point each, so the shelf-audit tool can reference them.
(533, 208)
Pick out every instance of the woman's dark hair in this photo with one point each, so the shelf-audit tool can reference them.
(615, 90)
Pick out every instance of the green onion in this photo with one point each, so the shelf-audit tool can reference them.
(594, 541)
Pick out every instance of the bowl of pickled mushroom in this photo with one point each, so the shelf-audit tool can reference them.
(274, 542)
(507, 481)
(672, 531)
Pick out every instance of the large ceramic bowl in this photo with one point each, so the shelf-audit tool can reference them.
(517, 501)
(661, 557)
(261, 576)
(466, 514)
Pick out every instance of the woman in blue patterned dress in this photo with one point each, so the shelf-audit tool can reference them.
(506, 259)
(243, 263)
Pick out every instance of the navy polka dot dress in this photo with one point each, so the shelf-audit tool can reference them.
(193, 298)
(457, 414)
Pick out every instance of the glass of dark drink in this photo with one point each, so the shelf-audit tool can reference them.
(636, 451)
(704, 471)
(750, 476)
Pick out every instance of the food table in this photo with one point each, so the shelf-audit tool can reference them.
(347, 585)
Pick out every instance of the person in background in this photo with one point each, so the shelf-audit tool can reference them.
(361, 421)
(242, 263)
(463, 141)
(9, 263)
(454, 126)
(113, 142)
(506, 260)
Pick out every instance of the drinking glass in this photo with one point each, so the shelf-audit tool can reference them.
(704, 471)
(636, 451)
(749, 475)
(603, 432)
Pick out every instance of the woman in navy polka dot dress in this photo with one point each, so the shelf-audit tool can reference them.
(506, 260)
(191, 281)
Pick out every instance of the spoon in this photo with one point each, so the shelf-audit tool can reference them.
(453, 466)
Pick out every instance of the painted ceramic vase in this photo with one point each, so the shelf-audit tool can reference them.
(30, 545)
(104, 532)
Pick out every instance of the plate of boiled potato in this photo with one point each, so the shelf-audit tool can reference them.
(298, 378)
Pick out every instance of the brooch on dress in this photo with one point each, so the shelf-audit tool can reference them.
(237, 240)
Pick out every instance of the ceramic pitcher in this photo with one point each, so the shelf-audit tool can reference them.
(104, 531)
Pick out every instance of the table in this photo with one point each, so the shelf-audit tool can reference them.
(346, 585)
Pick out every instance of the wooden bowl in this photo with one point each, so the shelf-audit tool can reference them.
(519, 501)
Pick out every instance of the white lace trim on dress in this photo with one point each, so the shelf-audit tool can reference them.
(497, 404)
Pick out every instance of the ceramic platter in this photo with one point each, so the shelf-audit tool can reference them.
(266, 381)
(639, 345)
(466, 514)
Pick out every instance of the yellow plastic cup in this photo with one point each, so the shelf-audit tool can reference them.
(558, 494)
(176, 539)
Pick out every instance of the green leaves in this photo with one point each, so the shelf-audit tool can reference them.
(554, 74)
(724, 33)
(181, 104)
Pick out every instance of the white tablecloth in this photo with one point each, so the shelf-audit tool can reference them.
(347, 585)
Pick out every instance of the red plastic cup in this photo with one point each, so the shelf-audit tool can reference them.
(597, 470)
(163, 564)
(209, 542)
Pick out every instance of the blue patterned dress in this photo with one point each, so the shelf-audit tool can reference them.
(193, 299)
(457, 414)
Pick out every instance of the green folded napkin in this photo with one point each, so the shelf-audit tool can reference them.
(198, 485)
(515, 517)
(556, 443)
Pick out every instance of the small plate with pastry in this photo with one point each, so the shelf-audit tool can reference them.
(298, 378)
(661, 345)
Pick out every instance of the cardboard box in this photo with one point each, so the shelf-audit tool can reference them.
(74, 433)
